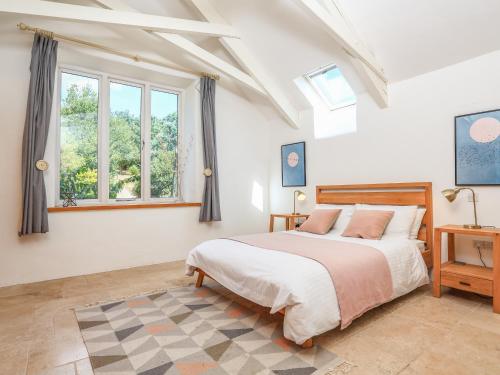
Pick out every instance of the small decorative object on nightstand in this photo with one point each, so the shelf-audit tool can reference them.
(290, 220)
(468, 277)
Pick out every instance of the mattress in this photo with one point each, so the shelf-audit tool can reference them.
(300, 285)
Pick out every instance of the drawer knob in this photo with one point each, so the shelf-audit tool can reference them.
(464, 283)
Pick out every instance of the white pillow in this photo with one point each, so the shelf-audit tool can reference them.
(416, 223)
(344, 217)
(402, 220)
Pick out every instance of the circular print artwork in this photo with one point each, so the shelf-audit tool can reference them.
(293, 159)
(485, 130)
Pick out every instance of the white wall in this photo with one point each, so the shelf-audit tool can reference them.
(412, 140)
(88, 242)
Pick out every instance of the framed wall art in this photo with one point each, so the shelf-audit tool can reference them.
(477, 148)
(293, 164)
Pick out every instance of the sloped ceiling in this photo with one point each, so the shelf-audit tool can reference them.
(411, 37)
(408, 37)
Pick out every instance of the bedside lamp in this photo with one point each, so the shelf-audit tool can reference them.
(300, 196)
(451, 195)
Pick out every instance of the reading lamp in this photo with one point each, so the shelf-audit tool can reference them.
(300, 196)
(451, 195)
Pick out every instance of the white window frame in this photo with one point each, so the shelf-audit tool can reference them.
(319, 92)
(180, 114)
(132, 83)
(103, 135)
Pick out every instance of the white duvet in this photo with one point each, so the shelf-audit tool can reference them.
(301, 285)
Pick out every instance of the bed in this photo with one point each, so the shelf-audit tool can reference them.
(294, 285)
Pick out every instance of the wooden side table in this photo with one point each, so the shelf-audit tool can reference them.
(468, 277)
(290, 220)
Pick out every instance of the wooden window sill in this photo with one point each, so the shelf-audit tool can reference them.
(105, 207)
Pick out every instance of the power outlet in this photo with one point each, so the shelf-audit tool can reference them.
(469, 197)
(487, 245)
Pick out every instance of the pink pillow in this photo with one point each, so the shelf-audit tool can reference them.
(320, 221)
(368, 224)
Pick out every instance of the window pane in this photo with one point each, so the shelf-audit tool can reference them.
(79, 127)
(164, 129)
(333, 87)
(124, 141)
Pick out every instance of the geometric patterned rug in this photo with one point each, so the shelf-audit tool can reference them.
(189, 331)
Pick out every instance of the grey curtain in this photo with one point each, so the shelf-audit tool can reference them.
(210, 209)
(36, 128)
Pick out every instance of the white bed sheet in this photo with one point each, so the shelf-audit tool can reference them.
(301, 285)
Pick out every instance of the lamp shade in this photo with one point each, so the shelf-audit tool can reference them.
(300, 195)
(450, 194)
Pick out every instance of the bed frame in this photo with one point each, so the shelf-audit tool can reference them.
(400, 194)
(397, 194)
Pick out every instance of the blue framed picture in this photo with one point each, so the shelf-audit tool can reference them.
(477, 149)
(293, 164)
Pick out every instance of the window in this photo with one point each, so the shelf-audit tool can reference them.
(79, 128)
(127, 152)
(125, 143)
(164, 133)
(331, 85)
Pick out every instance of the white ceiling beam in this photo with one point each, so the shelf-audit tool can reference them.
(248, 61)
(337, 26)
(334, 7)
(194, 50)
(94, 15)
(212, 60)
(376, 87)
(367, 67)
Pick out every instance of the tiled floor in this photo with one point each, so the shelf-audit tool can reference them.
(414, 335)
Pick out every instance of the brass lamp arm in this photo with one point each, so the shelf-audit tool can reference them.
(294, 195)
(297, 194)
(473, 202)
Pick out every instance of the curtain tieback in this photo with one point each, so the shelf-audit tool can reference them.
(42, 165)
(207, 172)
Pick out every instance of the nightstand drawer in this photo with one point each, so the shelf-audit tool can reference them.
(467, 283)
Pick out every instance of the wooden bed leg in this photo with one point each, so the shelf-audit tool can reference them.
(199, 281)
(308, 344)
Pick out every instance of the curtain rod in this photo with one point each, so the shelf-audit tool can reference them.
(136, 58)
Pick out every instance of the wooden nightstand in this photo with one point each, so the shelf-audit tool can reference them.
(290, 220)
(481, 280)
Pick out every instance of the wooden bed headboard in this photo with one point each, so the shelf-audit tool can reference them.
(402, 194)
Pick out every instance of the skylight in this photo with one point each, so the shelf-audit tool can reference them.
(331, 85)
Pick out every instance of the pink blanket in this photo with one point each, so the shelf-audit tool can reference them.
(360, 273)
